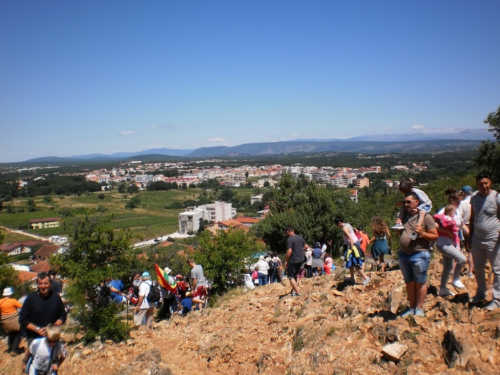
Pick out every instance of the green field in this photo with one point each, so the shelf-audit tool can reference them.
(150, 219)
(15, 237)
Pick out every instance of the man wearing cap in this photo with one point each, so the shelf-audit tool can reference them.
(464, 208)
(10, 321)
(143, 311)
(41, 308)
(485, 245)
(169, 302)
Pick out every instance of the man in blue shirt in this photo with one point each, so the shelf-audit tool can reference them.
(116, 287)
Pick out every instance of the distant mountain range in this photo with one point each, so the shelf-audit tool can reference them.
(385, 143)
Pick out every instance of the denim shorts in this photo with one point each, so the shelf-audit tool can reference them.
(414, 266)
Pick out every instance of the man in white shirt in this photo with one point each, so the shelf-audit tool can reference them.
(143, 311)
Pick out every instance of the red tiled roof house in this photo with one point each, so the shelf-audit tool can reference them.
(45, 252)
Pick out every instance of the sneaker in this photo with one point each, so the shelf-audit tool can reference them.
(408, 312)
(478, 298)
(297, 295)
(458, 284)
(293, 294)
(444, 292)
(493, 305)
(419, 312)
(398, 226)
(366, 282)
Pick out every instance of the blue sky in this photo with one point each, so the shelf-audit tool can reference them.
(81, 77)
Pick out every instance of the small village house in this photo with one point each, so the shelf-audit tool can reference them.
(49, 222)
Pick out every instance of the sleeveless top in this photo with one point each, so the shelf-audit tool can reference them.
(353, 236)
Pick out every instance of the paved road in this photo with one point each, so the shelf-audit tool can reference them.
(160, 239)
(138, 244)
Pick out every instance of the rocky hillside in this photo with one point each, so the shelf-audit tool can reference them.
(333, 328)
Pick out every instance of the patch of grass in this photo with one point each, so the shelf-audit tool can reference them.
(411, 336)
(277, 313)
(323, 297)
(218, 301)
(412, 322)
(300, 311)
(331, 331)
(212, 348)
(454, 309)
(15, 237)
(298, 340)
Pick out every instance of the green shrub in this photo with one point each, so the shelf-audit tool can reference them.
(97, 253)
(103, 322)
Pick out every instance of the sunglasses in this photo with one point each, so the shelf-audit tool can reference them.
(408, 202)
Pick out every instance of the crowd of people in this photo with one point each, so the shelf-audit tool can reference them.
(465, 232)
(469, 223)
(143, 300)
(38, 316)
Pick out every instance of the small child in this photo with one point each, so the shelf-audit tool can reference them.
(447, 221)
(47, 352)
(186, 304)
(406, 186)
(329, 266)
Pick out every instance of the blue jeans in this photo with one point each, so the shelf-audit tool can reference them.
(414, 266)
(262, 279)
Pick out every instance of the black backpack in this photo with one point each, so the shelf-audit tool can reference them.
(166, 294)
(272, 265)
(154, 292)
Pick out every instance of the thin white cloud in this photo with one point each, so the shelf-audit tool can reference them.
(217, 139)
(418, 127)
(168, 127)
(128, 132)
(157, 144)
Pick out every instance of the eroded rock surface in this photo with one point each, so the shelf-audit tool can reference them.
(334, 327)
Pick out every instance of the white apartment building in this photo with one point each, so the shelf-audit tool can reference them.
(218, 211)
(144, 178)
(213, 212)
(189, 221)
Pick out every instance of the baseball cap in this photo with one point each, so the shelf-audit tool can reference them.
(467, 189)
(145, 274)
